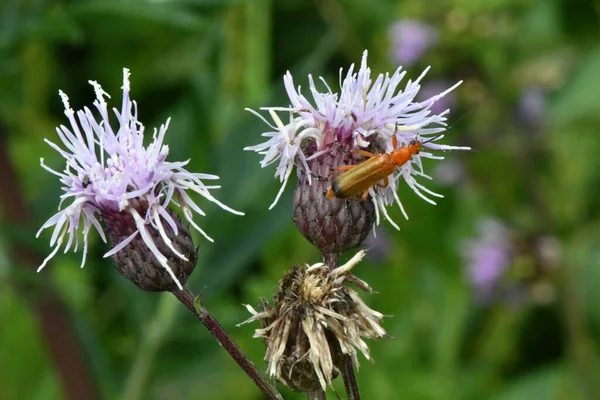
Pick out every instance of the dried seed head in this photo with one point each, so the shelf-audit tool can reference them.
(332, 225)
(138, 263)
(315, 320)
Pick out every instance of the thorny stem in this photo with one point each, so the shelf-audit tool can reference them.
(187, 298)
(318, 394)
(332, 260)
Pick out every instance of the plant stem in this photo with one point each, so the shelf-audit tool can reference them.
(318, 394)
(154, 336)
(187, 298)
(349, 379)
(332, 260)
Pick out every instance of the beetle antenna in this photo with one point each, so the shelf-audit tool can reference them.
(433, 138)
(460, 119)
(450, 127)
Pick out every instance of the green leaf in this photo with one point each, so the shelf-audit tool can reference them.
(548, 384)
(161, 13)
(580, 97)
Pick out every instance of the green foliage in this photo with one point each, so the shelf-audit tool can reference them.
(201, 62)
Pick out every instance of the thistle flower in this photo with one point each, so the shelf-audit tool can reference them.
(315, 321)
(488, 257)
(111, 176)
(410, 40)
(322, 135)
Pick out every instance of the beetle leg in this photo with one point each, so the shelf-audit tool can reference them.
(362, 196)
(340, 169)
(386, 182)
(343, 168)
(394, 138)
(364, 153)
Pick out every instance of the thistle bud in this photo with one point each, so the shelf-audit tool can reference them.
(139, 264)
(331, 225)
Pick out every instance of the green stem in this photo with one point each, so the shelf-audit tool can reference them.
(578, 337)
(153, 338)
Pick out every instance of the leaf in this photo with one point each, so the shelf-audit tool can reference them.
(544, 384)
(580, 97)
(162, 13)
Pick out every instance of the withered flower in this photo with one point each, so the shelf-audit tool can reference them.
(316, 320)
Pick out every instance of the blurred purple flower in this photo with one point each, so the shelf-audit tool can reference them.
(410, 40)
(431, 89)
(449, 172)
(532, 105)
(487, 256)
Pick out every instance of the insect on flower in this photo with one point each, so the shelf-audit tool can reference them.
(322, 134)
(359, 178)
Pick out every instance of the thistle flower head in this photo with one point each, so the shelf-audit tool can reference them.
(316, 319)
(110, 175)
(364, 115)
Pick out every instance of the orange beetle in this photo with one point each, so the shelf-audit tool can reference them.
(359, 178)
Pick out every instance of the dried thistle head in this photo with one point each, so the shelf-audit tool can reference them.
(315, 321)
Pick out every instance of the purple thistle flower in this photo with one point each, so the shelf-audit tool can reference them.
(109, 172)
(532, 106)
(365, 113)
(410, 40)
(488, 257)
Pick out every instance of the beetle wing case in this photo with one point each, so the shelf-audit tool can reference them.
(363, 176)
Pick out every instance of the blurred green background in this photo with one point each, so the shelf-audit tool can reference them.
(528, 328)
